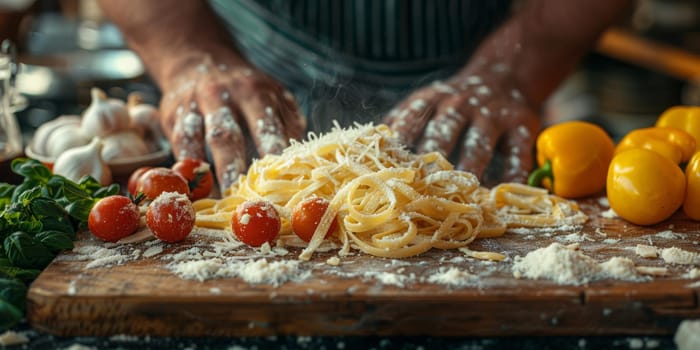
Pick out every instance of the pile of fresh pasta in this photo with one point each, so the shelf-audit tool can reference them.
(388, 201)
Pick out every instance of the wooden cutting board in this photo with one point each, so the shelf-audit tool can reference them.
(143, 296)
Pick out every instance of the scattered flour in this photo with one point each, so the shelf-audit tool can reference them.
(532, 230)
(609, 214)
(256, 272)
(652, 270)
(124, 338)
(10, 338)
(153, 251)
(668, 234)
(72, 289)
(113, 259)
(566, 265)
(694, 273)
(572, 238)
(390, 278)
(453, 277)
(647, 251)
(679, 256)
(687, 335)
(80, 347)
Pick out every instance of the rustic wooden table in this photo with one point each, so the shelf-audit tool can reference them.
(143, 296)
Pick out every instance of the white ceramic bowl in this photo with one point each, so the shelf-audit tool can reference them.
(121, 166)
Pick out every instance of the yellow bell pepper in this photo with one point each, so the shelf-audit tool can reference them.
(644, 187)
(672, 143)
(691, 204)
(573, 158)
(686, 118)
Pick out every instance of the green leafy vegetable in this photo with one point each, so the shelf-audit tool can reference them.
(55, 240)
(27, 252)
(38, 218)
(13, 291)
(9, 314)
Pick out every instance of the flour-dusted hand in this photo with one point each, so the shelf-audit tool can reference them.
(476, 113)
(212, 97)
(219, 106)
(491, 105)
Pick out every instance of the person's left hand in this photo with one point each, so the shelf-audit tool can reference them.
(482, 109)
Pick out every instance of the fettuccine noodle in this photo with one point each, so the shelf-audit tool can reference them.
(389, 202)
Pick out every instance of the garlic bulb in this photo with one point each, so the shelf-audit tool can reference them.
(84, 160)
(105, 115)
(145, 118)
(46, 141)
(124, 144)
(64, 139)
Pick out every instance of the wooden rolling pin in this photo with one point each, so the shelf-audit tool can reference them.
(632, 48)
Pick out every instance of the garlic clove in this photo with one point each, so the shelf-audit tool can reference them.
(105, 115)
(84, 160)
(40, 141)
(145, 118)
(65, 138)
(124, 144)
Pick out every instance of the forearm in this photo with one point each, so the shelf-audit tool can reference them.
(544, 41)
(168, 34)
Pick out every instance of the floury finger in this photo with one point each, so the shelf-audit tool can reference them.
(227, 145)
(410, 117)
(187, 136)
(443, 131)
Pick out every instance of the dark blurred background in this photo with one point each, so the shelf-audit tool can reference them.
(66, 47)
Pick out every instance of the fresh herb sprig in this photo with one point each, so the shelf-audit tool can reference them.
(38, 218)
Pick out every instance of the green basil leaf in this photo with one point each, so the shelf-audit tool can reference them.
(30, 168)
(29, 195)
(14, 292)
(80, 209)
(73, 192)
(4, 261)
(9, 315)
(54, 187)
(6, 191)
(62, 224)
(24, 275)
(55, 240)
(43, 207)
(106, 191)
(29, 226)
(27, 252)
(22, 188)
(89, 184)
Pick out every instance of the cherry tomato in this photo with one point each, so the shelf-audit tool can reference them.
(306, 216)
(170, 216)
(113, 218)
(198, 175)
(133, 182)
(158, 180)
(256, 222)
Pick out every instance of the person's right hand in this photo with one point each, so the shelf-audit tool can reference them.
(220, 105)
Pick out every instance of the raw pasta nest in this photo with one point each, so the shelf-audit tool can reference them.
(389, 202)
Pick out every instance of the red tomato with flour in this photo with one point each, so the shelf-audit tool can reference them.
(113, 218)
(158, 180)
(256, 222)
(170, 217)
